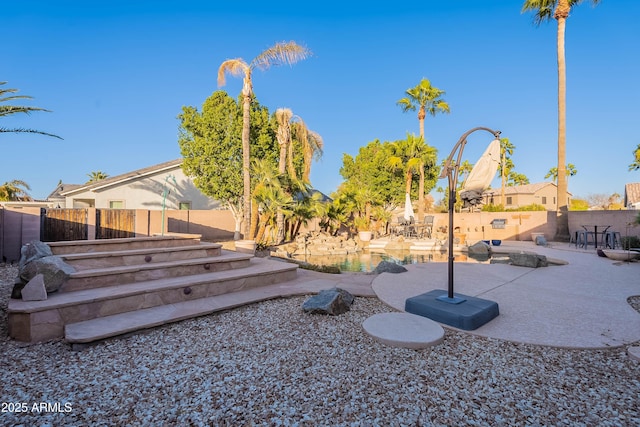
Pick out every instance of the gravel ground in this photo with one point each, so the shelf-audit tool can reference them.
(271, 364)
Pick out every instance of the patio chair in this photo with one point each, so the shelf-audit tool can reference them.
(427, 226)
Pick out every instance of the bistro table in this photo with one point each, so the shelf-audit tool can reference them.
(595, 232)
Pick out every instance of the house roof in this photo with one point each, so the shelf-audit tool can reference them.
(119, 179)
(57, 193)
(631, 193)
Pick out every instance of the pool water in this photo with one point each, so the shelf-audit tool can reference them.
(367, 261)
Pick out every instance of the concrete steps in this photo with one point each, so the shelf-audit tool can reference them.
(118, 275)
(88, 260)
(122, 295)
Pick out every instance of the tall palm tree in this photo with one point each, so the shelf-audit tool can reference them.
(545, 10)
(280, 53)
(6, 110)
(15, 191)
(426, 99)
(506, 164)
(96, 176)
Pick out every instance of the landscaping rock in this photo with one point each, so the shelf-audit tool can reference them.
(525, 259)
(35, 289)
(480, 248)
(54, 270)
(32, 251)
(388, 267)
(330, 301)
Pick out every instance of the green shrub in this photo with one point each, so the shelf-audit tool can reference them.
(629, 242)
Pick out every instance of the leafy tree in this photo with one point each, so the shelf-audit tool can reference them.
(636, 163)
(15, 191)
(544, 11)
(426, 99)
(95, 176)
(212, 149)
(579, 205)
(6, 110)
(604, 201)
(280, 53)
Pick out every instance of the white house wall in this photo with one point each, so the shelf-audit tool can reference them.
(147, 193)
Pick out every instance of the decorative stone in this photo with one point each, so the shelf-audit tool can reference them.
(32, 251)
(54, 270)
(35, 289)
(480, 248)
(525, 259)
(389, 267)
(329, 301)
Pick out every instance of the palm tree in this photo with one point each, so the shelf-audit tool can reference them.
(636, 163)
(280, 53)
(506, 164)
(553, 172)
(412, 156)
(15, 191)
(290, 128)
(96, 176)
(545, 10)
(6, 110)
(426, 99)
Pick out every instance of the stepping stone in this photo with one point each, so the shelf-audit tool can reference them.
(404, 330)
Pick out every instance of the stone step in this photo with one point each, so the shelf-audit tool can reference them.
(127, 274)
(88, 260)
(43, 320)
(108, 245)
(118, 324)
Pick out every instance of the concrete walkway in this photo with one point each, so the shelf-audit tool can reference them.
(579, 305)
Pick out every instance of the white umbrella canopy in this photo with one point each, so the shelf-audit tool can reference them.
(408, 208)
(481, 175)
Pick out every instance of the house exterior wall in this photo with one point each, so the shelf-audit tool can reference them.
(145, 192)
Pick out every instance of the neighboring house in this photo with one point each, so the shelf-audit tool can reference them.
(632, 195)
(140, 189)
(542, 193)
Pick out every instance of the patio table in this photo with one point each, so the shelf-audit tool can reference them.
(595, 232)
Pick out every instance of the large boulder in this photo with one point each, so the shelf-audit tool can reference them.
(53, 269)
(479, 249)
(527, 259)
(330, 301)
(388, 267)
(33, 250)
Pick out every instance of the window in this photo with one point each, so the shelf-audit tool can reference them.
(509, 200)
(116, 204)
(184, 206)
(544, 200)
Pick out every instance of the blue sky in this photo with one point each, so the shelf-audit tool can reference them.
(116, 74)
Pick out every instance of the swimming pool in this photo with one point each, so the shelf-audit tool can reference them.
(367, 261)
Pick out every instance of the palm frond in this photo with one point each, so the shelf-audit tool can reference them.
(20, 130)
(236, 67)
(281, 53)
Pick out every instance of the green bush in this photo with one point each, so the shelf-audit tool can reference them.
(629, 242)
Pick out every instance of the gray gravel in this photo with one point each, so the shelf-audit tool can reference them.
(270, 364)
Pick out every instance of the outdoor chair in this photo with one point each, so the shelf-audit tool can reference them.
(612, 239)
(427, 226)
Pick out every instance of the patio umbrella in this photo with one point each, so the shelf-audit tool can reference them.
(481, 175)
(408, 209)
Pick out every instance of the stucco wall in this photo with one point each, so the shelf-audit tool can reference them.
(147, 193)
